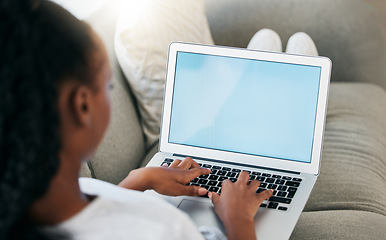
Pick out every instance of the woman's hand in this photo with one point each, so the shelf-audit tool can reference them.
(167, 180)
(237, 206)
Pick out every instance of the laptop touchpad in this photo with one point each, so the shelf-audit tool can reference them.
(202, 213)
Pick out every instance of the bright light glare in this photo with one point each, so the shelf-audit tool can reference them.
(81, 8)
(132, 10)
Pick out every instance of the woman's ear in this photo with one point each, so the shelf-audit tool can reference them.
(81, 105)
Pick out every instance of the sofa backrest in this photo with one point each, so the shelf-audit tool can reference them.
(350, 32)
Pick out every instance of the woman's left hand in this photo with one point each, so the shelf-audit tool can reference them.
(167, 180)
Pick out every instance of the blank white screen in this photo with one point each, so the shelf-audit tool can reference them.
(246, 106)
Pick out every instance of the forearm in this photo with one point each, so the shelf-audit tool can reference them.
(237, 229)
(138, 179)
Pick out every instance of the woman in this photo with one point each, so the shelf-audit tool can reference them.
(54, 110)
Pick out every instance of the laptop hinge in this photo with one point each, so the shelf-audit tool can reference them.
(237, 164)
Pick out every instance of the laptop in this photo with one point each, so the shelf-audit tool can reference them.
(234, 110)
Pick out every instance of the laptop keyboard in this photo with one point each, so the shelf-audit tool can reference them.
(284, 187)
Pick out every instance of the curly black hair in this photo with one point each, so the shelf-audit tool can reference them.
(41, 45)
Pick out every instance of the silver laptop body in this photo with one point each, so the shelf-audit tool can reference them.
(243, 110)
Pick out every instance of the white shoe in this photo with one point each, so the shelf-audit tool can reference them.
(301, 43)
(266, 40)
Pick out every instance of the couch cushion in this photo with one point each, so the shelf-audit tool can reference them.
(350, 32)
(339, 225)
(142, 42)
(353, 166)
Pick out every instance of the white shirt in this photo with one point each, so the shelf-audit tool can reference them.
(119, 213)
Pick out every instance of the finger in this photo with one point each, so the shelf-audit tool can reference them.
(243, 177)
(187, 163)
(225, 184)
(165, 165)
(194, 165)
(254, 184)
(175, 163)
(214, 197)
(265, 194)
(195, 172)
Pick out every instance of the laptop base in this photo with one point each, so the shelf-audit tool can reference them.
(269, 223)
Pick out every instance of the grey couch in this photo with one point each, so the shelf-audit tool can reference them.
(349, 198)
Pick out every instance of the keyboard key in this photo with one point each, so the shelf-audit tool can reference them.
(260, 190)
(213, 189)
(168, 160)
(233, 179)
(270, 180)
(221, 173)
(236, 170)
(226, 169)
(219, 184)
(202, 181)
(187, 184)
(290, 194)
(297, 179)
(194, 180)
(200, 164)
(276, 176)
(272, 186)
(266, 175)
(222, 178)
(213, 171)
(273, 205)
(292, 184)
(256, 173)
(167, 163)
(206, 166)
(231, 174)
(279, 181)
(261, 179)
(292, 189)
(205, 186)
(213, 177)
(203, 176)
(282, 188)
(282, 208)
(212, 183)
(263, 205)
(216, 167)
(263, 185)
(195, 184)
(274, 193)
(286, 178)
(280, 200)
(281, 194)
(251, 177)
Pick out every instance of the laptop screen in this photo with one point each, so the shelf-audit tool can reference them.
(246, 106)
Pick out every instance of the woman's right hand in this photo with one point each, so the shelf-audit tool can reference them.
(237, 206)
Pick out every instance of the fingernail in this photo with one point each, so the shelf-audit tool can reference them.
(210, 195)
(202, 191)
